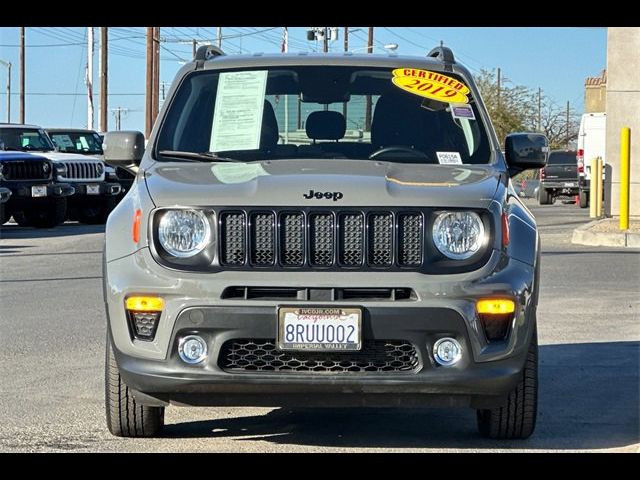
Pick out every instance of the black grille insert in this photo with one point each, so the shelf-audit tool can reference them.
(315, 238)
(261, 355)
(27, 170)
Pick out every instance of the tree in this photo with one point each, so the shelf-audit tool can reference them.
(515, 109)
(510, 109)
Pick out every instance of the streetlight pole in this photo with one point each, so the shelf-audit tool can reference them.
(8, 65)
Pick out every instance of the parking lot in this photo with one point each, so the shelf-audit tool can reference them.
(52, 332)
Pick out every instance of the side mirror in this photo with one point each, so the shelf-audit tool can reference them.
(524, 151)
(123, 149)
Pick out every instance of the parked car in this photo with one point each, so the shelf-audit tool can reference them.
(592, 137)
(94, 197)
(89, 142)
(34, 198)
(398, 270)
(559, 177)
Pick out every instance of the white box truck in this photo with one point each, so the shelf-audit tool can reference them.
(591, 144)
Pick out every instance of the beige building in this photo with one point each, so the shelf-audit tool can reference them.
(623, 110)
(595, 94)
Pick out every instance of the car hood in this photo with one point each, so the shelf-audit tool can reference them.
(19, 156)
(339, 182)
(65, 157)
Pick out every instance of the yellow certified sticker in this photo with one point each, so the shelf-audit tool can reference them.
(431, 85)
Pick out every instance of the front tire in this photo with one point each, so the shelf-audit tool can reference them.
(516, 419)
(544, 197)
(96, 213)
(125, 416)
(5, 214)
(43, 214)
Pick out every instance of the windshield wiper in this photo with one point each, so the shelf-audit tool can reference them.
(201, 157)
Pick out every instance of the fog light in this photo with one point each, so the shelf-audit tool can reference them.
(192, 349)
(447, 351)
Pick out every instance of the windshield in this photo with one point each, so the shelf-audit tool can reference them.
(24, 140)
(88, 143)
(324, 112)
(562, 158)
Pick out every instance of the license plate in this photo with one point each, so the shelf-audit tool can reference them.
(569, 184)
(39, 191)
(93, 189)
(319, 328)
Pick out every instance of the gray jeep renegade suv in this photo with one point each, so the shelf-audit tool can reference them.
(322, 230)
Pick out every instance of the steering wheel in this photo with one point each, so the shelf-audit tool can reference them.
(411, 151)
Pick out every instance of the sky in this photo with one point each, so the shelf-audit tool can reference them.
(556, 59)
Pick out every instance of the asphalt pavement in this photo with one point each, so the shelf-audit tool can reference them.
(52, 332)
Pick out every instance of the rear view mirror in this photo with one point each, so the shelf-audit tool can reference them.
(123, 149)
(524, 151)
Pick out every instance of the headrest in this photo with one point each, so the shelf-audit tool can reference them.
(269, 135)
(326, 125)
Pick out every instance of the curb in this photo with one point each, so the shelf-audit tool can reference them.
(583, 236)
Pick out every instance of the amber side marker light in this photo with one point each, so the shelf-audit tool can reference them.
(495, 306)
(145, 304)
(495, 316)
(136, 225)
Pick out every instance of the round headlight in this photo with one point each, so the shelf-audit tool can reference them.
(45, 168)
(99, 168)
(184, 233)
(458, 235)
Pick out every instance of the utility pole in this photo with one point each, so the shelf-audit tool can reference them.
(118, 114)
(367, 112)
(8, 65)
(346, 49)
(567, 147)
(22, 74)
(149, 82)
(195, 47)
(219, 35)
(90, 78)
(104, 90)
(156, 75)
(499, 86)
(325, 40)
(539, 109)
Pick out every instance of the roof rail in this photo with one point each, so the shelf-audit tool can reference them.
(442, 53)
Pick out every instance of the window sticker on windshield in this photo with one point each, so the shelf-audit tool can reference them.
(449, 158)
(63, 141)
(430, 85)
(237, 119)
(462, 111)
(84, 144)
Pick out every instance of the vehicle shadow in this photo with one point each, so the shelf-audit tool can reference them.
(589, 397)
(66, 229)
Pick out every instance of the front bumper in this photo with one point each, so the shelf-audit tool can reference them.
(103, 189)
(22, 190)
(445, 306)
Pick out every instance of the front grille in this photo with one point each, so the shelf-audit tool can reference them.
(261, 355)
(322, 239)
(82, 170)
(26, 170)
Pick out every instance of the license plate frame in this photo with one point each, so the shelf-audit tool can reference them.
(290, 315)
(569, 184)
(93, 189)
(38, 191)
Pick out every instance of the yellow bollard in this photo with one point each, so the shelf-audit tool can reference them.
(593, 189)
(625, 163)
(599, 184)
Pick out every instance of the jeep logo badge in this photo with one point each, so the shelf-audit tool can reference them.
(320, 195)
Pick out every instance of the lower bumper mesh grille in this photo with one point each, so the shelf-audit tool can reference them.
(261, 355)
